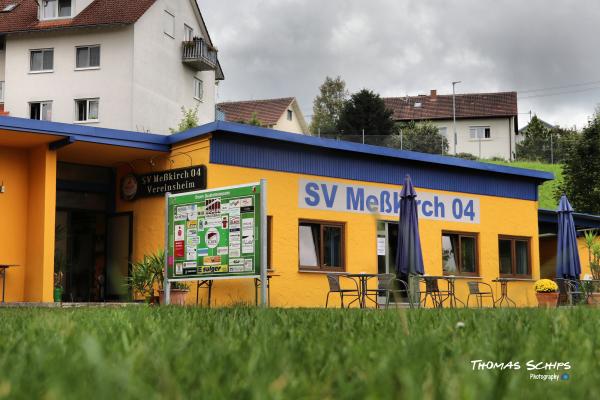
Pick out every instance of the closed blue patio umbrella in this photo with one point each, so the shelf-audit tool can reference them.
(409, 258)
(568, 265)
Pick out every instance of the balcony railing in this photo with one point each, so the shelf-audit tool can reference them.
(199, 55)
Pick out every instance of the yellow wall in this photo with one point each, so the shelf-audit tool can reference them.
(27, 211)
(294, 288)
(548, 257)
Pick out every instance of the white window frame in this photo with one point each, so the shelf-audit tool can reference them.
(198, 83)
(40, 71)
(188, 33)
(44, 18)
(478, 132)
(42, 104)
(2, 86)
(89, 58)
(170, 34)
(87, 110)
(290, 115)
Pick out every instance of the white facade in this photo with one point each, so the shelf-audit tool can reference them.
(141, 83)
(471, 136)
(292, 120)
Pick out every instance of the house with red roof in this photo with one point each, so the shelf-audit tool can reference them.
(486, 123)
(109, 63)
(282, 114)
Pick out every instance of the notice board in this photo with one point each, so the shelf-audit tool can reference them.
(214, 233)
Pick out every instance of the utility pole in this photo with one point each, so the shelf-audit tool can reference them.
(454, 112)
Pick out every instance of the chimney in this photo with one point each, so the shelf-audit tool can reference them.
(433, 94)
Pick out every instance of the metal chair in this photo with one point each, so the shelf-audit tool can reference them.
(387, 286)
(571, 292)
(432, 290)
(475, 290)
(335, 287)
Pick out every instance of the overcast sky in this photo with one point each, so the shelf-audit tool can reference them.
(279, 48)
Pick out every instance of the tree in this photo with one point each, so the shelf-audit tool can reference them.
(365, 110)
(188, 121)
(545, 144)
(328, 106)
(254, 120)
(423, 137)
(581, 170)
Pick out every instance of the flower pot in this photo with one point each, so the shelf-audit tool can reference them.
(547, 299)
(58, 294)
(177, 296)
(594, 299)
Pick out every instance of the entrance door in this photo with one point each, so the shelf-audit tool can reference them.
(387, 243)
(118, 256)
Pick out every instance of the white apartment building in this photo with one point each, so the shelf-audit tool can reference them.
(486, 123)
(118, 64)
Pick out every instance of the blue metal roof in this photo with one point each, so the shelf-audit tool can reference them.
(86, 133)
(293, 138)
(318, 157)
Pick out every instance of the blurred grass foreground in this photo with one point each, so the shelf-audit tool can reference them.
(247, 353)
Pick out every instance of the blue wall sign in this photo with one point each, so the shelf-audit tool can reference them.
(333, 196)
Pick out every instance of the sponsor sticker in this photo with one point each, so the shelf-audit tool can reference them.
(212, 238)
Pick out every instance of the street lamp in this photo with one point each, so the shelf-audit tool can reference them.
(454, 112)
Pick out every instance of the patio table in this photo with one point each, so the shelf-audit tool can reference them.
(362, 277)
(504, 290)
(451, 281)
(4, 267)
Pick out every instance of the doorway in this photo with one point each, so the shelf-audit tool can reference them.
(387, 245)
(92, 244)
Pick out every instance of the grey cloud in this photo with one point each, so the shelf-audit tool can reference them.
(272, 48)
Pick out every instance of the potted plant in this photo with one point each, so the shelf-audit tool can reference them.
(178, 292)
(58, 286)
(546, 292)
(591, 288)
(141, 279)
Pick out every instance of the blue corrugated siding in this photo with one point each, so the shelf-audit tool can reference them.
(252, 152)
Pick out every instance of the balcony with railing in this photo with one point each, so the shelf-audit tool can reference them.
(199, 55)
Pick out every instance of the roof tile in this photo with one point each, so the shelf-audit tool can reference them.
(268, 111)
(472, 105)
(24, 17)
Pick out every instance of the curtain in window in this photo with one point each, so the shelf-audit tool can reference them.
(308, 242)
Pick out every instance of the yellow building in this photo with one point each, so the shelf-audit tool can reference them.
(332, 207)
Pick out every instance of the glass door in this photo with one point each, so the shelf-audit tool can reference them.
(118, 256)
(387, 242)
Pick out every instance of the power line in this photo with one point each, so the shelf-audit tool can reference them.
(560, 87)
(559, 93)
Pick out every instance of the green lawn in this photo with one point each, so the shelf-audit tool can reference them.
(245, 353)
(548, 189)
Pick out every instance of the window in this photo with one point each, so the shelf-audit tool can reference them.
(169, 24)
(321, 246)
(87, 57)
(1, 91)
(86, 110)
(459, 253)
(188, 33)
(40, 110)
(514, 255)
(41, 60)
(10, 7)
(56, 9)
(480, 132)
(198, 89)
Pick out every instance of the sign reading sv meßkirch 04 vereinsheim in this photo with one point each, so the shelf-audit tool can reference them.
(160, 182)
(214, 233)
(327, 195)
